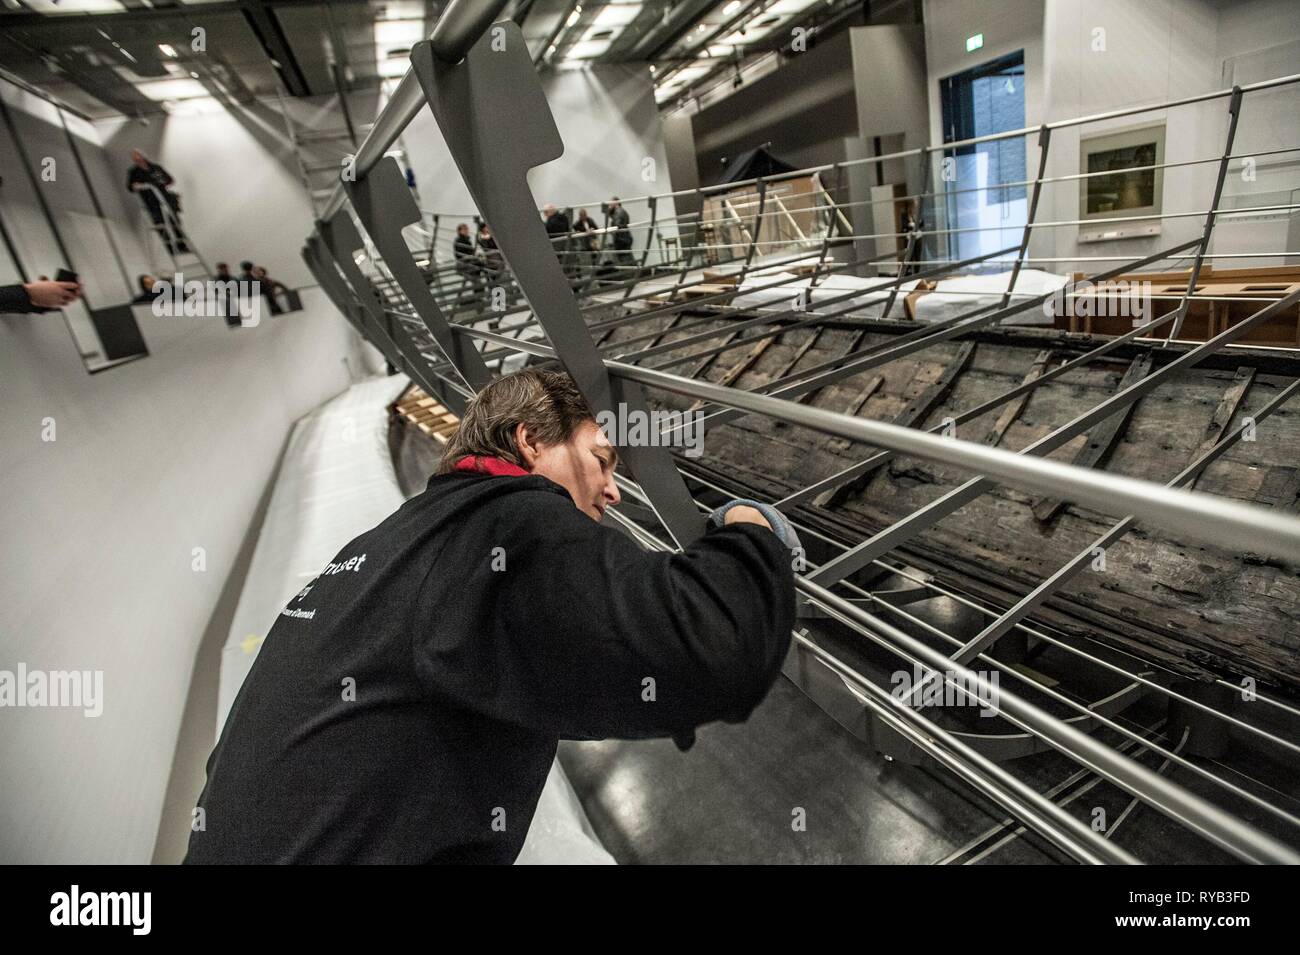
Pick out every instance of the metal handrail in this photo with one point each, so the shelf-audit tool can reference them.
(459, 28)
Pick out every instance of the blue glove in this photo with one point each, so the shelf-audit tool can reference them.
(780, 526)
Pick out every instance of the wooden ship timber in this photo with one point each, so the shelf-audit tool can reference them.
(1196, 611)
(1190, 610)
(1200, 612)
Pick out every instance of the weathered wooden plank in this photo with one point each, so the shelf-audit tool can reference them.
(1101, 439)
(667, 328)
(739, 368)
(1011, 411)
(864, 396)
(1196, 610)
(1280, 487)
(1223, 415)
(802, 350)
(912, 415)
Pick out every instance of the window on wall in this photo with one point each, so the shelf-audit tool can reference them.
(983, 188)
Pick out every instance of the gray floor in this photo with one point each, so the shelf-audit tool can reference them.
(734, 796)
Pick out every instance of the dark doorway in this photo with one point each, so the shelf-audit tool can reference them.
(977, 179)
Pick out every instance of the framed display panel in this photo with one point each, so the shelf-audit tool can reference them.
(1120, 183)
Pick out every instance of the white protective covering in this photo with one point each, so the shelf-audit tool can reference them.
(832, 294)
(952, 297)
(965, 293)
(337, 481)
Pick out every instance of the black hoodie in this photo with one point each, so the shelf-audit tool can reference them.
(407, 704)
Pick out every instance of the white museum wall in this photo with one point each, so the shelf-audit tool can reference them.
(1154, 50)
(150, 460)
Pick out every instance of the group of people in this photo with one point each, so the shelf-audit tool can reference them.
(577, 244)
(477, 257)
(249, 274)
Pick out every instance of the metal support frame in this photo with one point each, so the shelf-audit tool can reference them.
(467, 100)
(469, 86)
(384, 204)
(1234, 113)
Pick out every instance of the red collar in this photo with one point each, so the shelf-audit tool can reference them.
(483, 464)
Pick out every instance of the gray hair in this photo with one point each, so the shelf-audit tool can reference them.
(548, 403)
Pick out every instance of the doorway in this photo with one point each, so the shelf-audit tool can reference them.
(983, 184)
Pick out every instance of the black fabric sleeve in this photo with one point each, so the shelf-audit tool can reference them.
(13, 298)
(584, 635)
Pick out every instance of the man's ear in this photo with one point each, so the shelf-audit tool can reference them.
(527, 445)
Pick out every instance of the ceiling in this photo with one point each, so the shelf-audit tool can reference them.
(113, 57)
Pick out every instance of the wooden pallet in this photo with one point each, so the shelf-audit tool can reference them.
(1205, 319)
(427, 414)
(704, 290)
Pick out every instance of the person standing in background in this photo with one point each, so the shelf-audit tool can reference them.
(467, 264)
(493, 261)
(151, 182)
(584, 235)
(619, 222)
(557, 228)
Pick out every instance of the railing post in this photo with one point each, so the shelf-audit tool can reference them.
(1234, 113)
(384, 204)
(1044, 142)
(761, 186)
(650, 231)
(838, 170)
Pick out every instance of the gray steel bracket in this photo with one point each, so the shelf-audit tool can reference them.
(342, 239)
(497, 124)
(320, 261)
(383, 202)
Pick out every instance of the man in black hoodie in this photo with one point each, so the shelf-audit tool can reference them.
(407, 704)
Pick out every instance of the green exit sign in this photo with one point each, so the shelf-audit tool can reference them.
(973, 43)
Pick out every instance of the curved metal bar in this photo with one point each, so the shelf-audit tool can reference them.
(460, 25)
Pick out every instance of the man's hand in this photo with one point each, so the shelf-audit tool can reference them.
(52, 294)
(747, 515)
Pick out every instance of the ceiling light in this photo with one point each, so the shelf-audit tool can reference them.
(574, 16)
(75, 6)
(586, 50)
(167, 49)
(789, 7)
(398, 32)
(731, 8)
(617, 15)
(162, 90)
